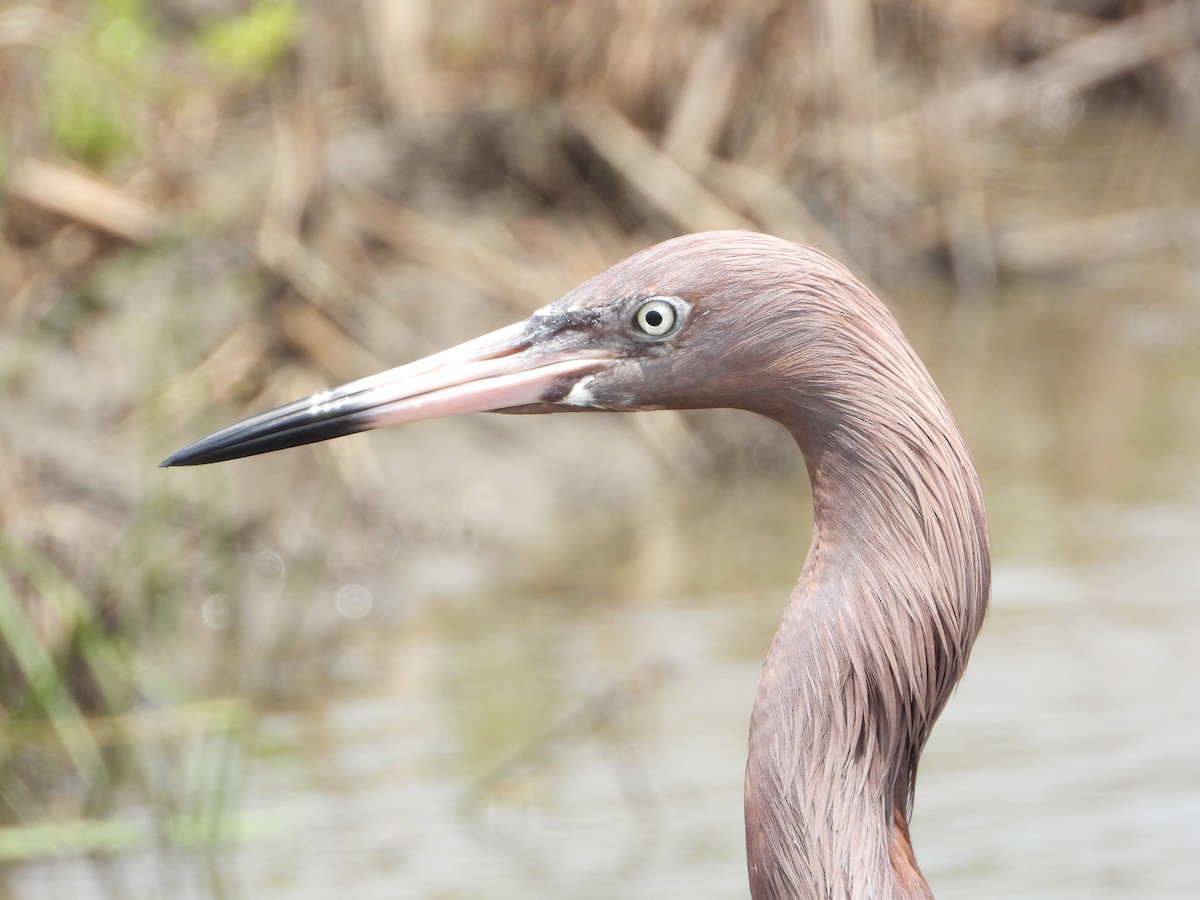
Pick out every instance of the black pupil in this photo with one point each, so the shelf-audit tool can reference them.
(654, 318)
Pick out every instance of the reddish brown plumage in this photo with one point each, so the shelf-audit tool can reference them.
(895, 587)
(879, 628)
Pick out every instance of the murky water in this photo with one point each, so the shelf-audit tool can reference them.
(587, 739)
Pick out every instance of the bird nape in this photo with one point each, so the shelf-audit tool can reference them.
(895, 586)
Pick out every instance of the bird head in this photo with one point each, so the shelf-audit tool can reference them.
(694, 322)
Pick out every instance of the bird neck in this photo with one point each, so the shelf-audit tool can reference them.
(875, 636)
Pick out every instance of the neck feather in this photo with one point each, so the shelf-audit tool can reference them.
(875, 636)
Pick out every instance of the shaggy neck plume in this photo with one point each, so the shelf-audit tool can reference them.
(879, 628)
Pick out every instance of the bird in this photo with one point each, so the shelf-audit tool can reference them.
(895, 587)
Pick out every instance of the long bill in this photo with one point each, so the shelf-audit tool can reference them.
(500, 370)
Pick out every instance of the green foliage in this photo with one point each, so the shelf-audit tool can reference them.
(87, 120)
(81, 702)
(46, 684)
(250, 45)
(122, 32)
(90, 85)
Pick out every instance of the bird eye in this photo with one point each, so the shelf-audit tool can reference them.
(655, 317)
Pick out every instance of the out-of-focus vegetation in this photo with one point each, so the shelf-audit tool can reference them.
(210, 205)
(252, 44)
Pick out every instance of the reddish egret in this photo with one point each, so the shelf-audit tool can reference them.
(895, 587)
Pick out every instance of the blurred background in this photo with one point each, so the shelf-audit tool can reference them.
(497, 657)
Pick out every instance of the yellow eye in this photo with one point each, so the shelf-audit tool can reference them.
(655, 317)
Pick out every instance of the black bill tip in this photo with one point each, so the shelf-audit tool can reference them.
(263, 434)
